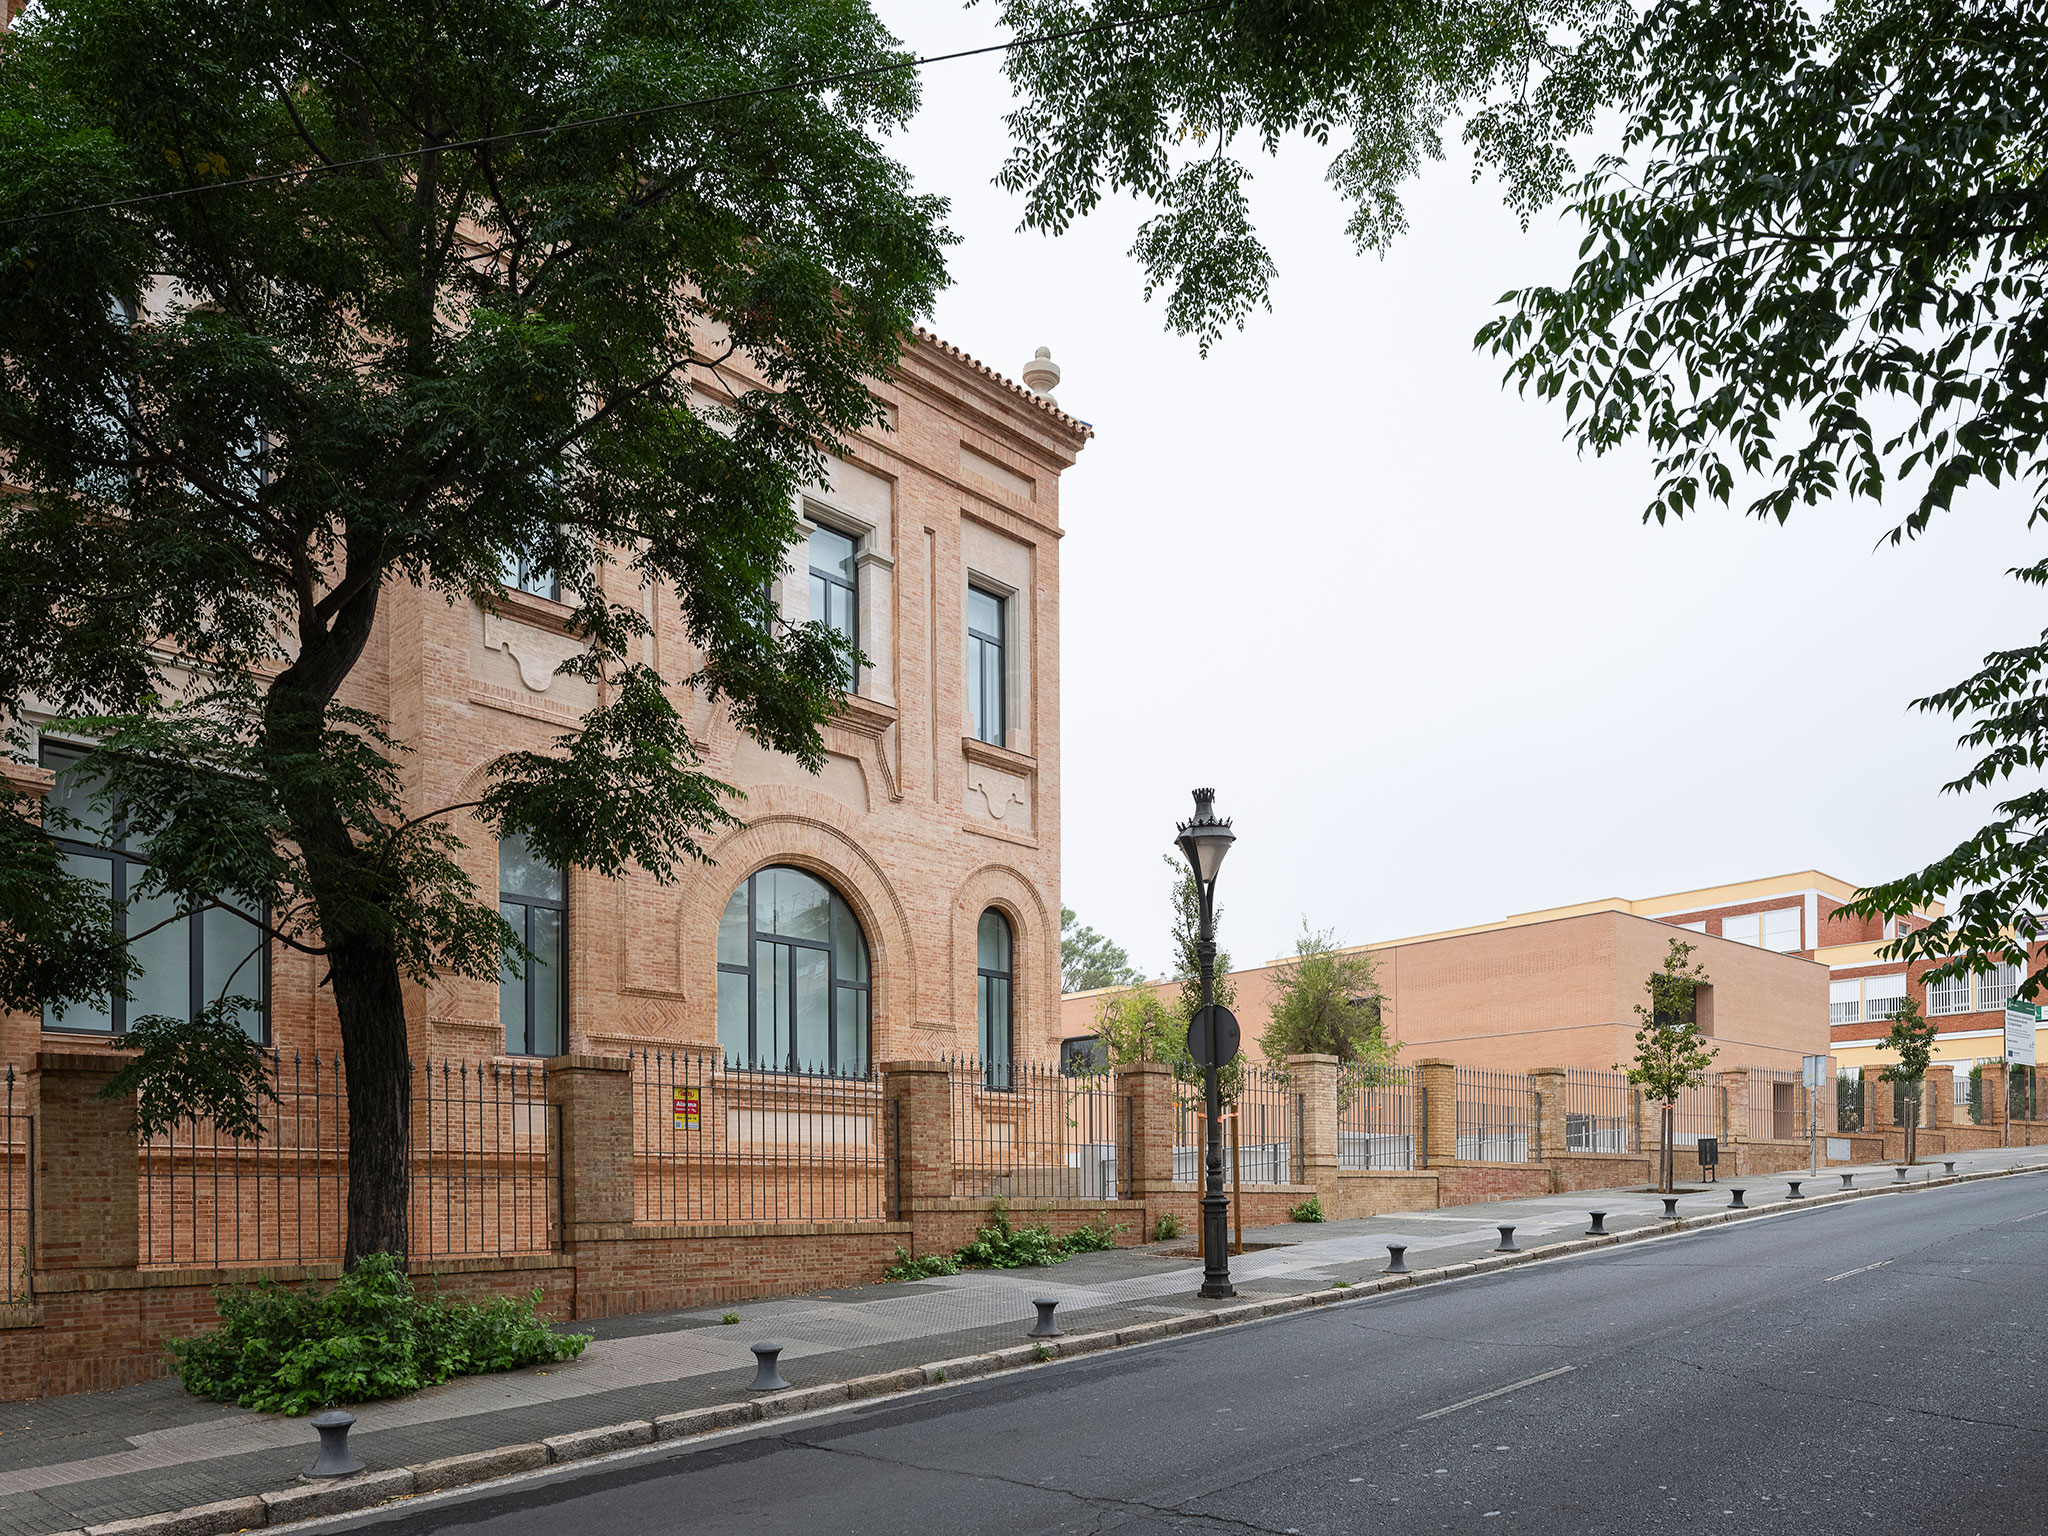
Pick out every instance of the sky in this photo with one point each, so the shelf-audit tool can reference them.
(1434, 664)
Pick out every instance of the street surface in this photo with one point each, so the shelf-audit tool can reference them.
(1872, 1366)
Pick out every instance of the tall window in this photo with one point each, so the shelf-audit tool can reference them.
(835, 591)
(189, 960)
(1996, 989)
(985, 666)
(1950, 996)
(992, 982)
(793, 987)
(525, 575)
(531, 993)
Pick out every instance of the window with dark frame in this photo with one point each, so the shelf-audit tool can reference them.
(532, 989)
(794, 990)
(835, 590)
(188, 960)
(522, 574)
(985, 680)
(992, 999)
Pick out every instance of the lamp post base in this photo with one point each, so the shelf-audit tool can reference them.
(1216, 1284)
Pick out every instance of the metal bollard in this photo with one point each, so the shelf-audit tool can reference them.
(335, 1459)
(1848, 1179)
(1397, 1259)
(1901, 1175)
(766, 1377)
(1045, 1327)
(1793, 1186)
(1599, 1227)
(1736, 1204)
(1507, 1241)
(1671, 1206)
(1949, 1169)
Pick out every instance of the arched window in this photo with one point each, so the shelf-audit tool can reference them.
(992, 981)
(531, 994)
(793, 989)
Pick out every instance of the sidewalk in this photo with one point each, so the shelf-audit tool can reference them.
(73, 1462)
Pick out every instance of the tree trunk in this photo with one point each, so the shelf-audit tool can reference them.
(371, 1002)
(1664, 1158)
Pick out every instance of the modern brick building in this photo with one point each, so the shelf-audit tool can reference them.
(901, 903)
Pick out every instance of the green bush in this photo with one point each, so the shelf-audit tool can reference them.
(1166, 1229)
(999, 1245)
(1310, 1209)
(909, 1266)
(372, 1336)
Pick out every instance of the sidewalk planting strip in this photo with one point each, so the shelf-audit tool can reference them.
(310, 1501)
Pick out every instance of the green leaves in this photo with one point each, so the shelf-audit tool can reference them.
(1089, 960)
(206, 1068)
(372, 1336)
(1671, 1055)
(1326, 1001)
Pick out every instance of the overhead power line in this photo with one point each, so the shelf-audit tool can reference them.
(632, 114)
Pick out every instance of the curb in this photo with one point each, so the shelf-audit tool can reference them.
(367, 1490)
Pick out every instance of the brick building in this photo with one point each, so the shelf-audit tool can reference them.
(900, 903)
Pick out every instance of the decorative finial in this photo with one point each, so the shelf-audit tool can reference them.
(1042, 374)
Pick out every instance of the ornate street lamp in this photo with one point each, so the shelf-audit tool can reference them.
(1204, 841)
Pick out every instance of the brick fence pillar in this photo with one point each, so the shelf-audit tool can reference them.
(87, 1167)
(1146, 1088)
(1316, 1080)
(920, 1098)
(1735, 1091)
(593, 1096)
(1877, 1104)
(1546, 1109)
(1991, 1083)
(1940, 1089)
(1439, 1079)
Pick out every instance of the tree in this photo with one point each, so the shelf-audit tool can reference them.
(1911, 1039)
(1818, 262)
(1670, 1055)
(1127, 100)
(1134, 1023)
(1089, 960)
(1327, 1002)
(481, 312)
(1187, 970)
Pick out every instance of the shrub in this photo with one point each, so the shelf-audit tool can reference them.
(1310, 1209)
(1167, 1228)
(909, 1266)
(372, 1336)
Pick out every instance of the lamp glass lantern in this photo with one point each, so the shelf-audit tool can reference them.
(1205, 839)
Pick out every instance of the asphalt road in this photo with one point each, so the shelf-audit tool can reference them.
(1873, 1366)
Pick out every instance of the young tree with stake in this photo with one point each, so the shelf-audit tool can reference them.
(1911, 1039)
(1670, 1053)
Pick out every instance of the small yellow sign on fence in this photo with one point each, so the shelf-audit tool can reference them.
(689, 1109)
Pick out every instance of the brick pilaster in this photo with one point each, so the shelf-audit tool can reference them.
(593, 1095)
(87, 1167)
(1440, 1090)
(1735, 1090)
(920, 1098)
(1146, 1088)
(1546, 1108)
(1877, 1103)
(1992, 1085)
(1940, 1089)
(1316, 1080)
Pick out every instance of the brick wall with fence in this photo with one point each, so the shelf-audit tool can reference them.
(665, 1180)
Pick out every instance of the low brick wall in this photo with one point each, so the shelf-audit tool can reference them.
(1599, 1170)
(96, 1330)
(1363, 1192)
(1475, 1183)
(620, 1270)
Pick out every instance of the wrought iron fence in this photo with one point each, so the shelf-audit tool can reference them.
(484, 1176)
(1850, 1100)
(2022, 1093)
(1262, 1123)
(1700, 1112)
(18, 1215)
(714, 1145)
(1602, 1112)
(1777, 1105)
(1042, 1134)
(1494, 1120)
(1376, 1117)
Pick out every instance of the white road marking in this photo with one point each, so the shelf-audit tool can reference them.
(1866, 1269)
(1513, 1386)
(2030, 1218)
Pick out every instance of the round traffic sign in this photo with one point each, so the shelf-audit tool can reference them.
(1225, 1035)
